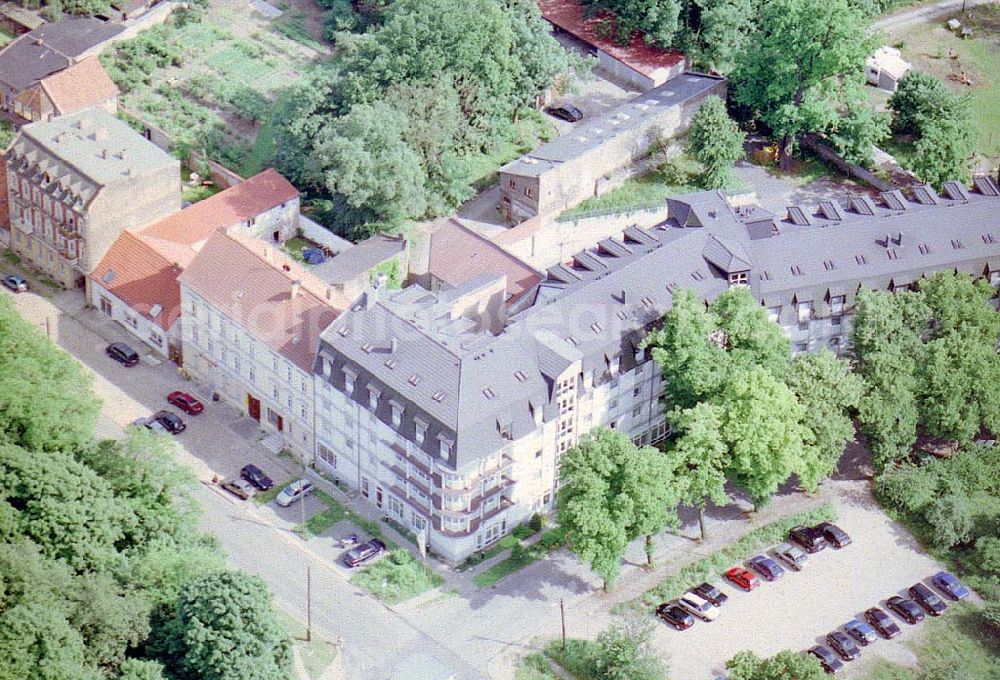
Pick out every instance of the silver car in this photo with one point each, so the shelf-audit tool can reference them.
(792, 556)
(295, 491)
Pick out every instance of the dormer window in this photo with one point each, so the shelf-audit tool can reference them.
(445, 448)
(613, 364)
(397, 413)
(349, 378)
(420, 431)
(739, 278)
(505, 432)
(373, 395)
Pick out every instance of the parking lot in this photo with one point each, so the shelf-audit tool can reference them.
(797, 611)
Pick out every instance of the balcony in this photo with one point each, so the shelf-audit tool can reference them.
(504, 504)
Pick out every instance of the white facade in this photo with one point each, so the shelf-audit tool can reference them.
(247, 373)
(146, 330)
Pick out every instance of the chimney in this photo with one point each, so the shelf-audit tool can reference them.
(393, 345)
(105, 154)
(100, 134)
(296, 287)
(329, 293)
(381, 278)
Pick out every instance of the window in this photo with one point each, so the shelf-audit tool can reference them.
(835, 341)
(327, 456)
(155, 338)
(132, 321)
(995, 277)
(194, 336)
(538, 454)
(373, 396)
(505, 432)
(836, 320)
(418, 522)
(801, 347)
(637, 412)
(837, 304)
(364, 487)
(528, 192)
(397, 414)
(302, 411)
(236, 363)
(805, 311)
(288, 373)
(419, 432)
(349, 378)
(274, 392)
(445, 448)
(773, 313)
(512, 184)
(739, 278)
(302, 384)
(637, 391)
(252, 376)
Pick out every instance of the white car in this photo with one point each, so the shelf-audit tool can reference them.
(150, 423)
(699, 606)
(792, 556)
(295, 491)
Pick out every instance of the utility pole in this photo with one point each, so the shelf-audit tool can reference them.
(48, 328)
(562, 615)
(309, 617)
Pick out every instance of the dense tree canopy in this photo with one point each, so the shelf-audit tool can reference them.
(382, 131)
(929, 358)
(96, 543)
(613, 492)
(792, 71)
(741, 408)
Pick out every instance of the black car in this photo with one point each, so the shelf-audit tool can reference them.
(882, 622)
(863, 632)
(842, 643)
(673, 615)
(711, 593)
(833, 534)
(256, 476)
(566, 112)
(171, 422)
(122, 353)
(827, 659)
(906, 609)
(808, 538)
(928, 599)
(365, 552)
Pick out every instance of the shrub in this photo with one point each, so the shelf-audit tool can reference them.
(991, 617)
(523, 531)
(908, 488)
(536, 523)
(950, 518)
(552, 539)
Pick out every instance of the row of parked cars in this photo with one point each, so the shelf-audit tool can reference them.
(845, 644)
(702, 602)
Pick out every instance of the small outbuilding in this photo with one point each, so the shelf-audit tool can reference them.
(886, 68)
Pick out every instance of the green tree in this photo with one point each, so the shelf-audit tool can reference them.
(624, 652)
(225, 629)
(950, 518)
(41, 389)
(703, 458)
(110, 619)
(859, 131)
(920, 98)
(785, 665)
(37, 643)
(612, 493)
(762, 429)
(792, 68)
(141, 669)
(987, 555)
(943, 151)
(828, 392)
(654, 491)
(724, 29)
(658, 19)
(716, 142)
(364, 158)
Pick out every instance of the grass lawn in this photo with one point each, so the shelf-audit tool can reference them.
(929, 47)
(647, 190)
(402, 575)
(191, 194)
(294, 246)
(956, 645)
(317, 655)
(549, 541)
(5, 37)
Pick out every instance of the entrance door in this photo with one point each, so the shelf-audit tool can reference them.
(253, 407)
(378, 496)
(280, 424)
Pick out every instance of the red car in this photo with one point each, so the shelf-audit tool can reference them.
(186, 403)
(743, 578)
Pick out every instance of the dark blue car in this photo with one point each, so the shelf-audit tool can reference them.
(766, 567)
(949, 585)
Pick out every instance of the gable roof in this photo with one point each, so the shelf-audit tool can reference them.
(50, 48)
(458, 255)
(134, 272)
(181, 234)
(251, 283)
(79, 86)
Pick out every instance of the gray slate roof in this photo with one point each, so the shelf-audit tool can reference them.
(596, 307)
(359, 259)
(51, 48)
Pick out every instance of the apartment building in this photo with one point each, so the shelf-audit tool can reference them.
(450, 409)
(76, 182)
(580, 164)
(251, 323)
(135, 283)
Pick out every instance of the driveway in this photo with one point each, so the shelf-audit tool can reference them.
(797, 611)
(921, 14)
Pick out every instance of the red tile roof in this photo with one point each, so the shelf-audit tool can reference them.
(134, 272)
(646, 59)
(251, 282)
(80, 86)
(182, 233)
(458, 255)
